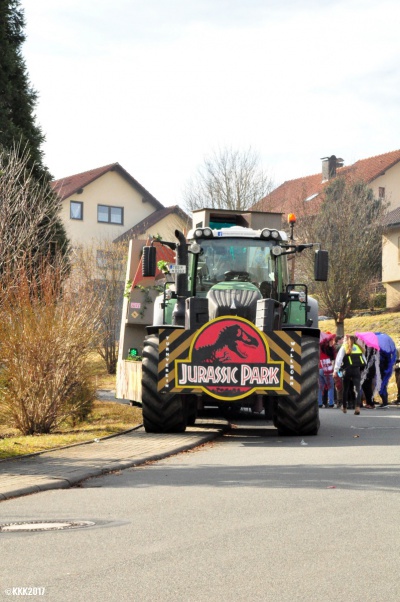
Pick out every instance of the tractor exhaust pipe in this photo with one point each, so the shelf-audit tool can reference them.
(182, 293)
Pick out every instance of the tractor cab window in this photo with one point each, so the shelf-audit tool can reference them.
(243, 260)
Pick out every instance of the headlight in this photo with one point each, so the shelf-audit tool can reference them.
(203, 233)
(194, 248)
(277, 250)
(267, 234)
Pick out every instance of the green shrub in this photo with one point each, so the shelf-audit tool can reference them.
(380, 299)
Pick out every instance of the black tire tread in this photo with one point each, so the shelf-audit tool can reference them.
(161, 413)
(298, 415)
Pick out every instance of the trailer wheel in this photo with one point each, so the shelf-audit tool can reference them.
(298, 414)
(161, 413)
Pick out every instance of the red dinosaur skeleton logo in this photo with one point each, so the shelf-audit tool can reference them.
(229, 359)
(231, 340)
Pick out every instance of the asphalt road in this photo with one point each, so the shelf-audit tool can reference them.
(249, 517)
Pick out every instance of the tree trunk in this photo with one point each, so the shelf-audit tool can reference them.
(340, 328)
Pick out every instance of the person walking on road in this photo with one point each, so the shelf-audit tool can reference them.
(397, 372)
(387, 362)
(350, 360)
(326, 361)
(371, 376)
(338, 377)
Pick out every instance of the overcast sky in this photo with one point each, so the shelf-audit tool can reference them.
(156, 85)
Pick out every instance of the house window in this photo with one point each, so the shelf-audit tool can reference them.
(110, 215)
(103, 258)
(381, 192)
(76, 210)
(398, 250)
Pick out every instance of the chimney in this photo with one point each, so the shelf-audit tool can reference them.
(329, 166)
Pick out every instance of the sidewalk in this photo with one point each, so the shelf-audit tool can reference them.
(65, 467)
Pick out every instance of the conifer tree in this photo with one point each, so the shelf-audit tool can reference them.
(17, 97)
(20, 136)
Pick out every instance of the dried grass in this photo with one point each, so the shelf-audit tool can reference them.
(47, 331)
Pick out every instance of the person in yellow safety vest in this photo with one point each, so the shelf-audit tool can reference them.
(397, 373)
(350, 360)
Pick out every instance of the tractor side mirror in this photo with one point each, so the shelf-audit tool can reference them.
(321, 266)
(149, 261)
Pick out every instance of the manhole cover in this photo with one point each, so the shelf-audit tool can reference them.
(43, 525)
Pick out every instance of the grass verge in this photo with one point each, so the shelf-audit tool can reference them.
(388, 323)
(107, 418)
(102, 380)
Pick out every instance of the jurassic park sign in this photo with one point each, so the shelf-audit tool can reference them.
(229, 359)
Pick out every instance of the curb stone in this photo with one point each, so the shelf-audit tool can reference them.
(66, 467)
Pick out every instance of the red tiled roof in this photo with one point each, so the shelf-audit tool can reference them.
(151, 220)
(392, 218)
(65, 187)
(286, 198)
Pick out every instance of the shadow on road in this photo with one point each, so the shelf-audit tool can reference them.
(293, 476)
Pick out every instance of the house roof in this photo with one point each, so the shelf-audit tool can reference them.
(289, 194)
(151, 220)
(392, 219)
(69, 185)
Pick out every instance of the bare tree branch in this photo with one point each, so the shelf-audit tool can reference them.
(349, 224)
(29, 211)
(100, 270)
(228, 179)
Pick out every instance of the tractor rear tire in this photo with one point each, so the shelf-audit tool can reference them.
(298, 414)
(161, 413)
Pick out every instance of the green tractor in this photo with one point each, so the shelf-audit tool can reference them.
(230, 329)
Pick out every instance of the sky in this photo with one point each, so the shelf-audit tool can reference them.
(158, 85)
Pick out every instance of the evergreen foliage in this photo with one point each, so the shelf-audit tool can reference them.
(17, 97)
(21, 157)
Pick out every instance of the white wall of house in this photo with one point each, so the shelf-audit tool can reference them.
(110, 190)
(391, 266)
(167, 226)
(390, 181)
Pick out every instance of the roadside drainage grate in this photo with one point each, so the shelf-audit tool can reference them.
(43, 525)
